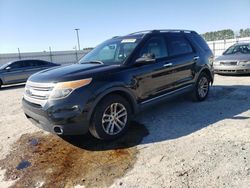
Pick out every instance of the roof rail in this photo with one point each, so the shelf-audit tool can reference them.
(162, 30)
(141, 32)
(177, 30)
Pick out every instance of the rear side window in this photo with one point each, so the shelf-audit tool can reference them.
(178, 45)
(41, 63)
(27, 63)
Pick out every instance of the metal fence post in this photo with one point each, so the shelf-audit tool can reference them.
(19, 54)
(213, 47)
(237, 39)
(50, 54)
(225, 44)
(76, 56)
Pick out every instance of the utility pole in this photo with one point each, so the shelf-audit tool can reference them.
(19, 54)
(50, 54)
(78, 41)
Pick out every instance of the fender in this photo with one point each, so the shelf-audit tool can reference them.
(108, 90)
(205, 68)
(2, 79)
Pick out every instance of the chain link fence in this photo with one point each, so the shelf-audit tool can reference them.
(61, 57)
(219, 46)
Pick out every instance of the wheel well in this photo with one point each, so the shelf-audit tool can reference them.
(207, 72)
(118, 92)
(124, 95)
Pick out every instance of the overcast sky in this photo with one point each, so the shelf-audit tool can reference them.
(34, 25)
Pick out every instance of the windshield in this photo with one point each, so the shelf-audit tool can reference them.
(242, 48)
(4, 66)
(114, 51)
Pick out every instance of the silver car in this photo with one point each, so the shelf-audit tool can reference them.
(19, 71)
(235, 60)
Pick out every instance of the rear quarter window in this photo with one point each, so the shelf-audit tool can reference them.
(199, 41)
(178, 45)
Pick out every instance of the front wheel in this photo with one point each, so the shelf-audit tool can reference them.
(111, 118)
(202, 87)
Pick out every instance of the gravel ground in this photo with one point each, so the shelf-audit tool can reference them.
(181, 144)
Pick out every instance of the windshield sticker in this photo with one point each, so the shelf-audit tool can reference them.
(128, 41)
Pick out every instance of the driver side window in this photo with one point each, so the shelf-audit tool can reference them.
(154, 46)
(16, 65)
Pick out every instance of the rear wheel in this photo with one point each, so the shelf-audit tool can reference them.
(1, 83)
(111, 118)
(202, 87)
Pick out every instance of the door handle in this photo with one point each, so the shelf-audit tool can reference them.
(196, 58)
(168, 65)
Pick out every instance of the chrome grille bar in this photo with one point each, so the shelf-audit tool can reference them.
(38, 93)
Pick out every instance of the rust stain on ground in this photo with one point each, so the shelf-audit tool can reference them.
(78, 160)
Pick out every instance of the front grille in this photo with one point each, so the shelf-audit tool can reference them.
(38, 93)
(228, 63)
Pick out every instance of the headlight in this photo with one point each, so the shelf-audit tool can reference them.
(244, 63)
(64, 89)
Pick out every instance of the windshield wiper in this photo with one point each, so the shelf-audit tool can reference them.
(93, 62)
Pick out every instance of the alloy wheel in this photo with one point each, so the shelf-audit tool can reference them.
(203, 87)
(114, 118)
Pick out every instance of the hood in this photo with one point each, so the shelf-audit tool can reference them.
(70, 72)
(234, 57)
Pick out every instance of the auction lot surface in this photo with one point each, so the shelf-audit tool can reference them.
(178, 143)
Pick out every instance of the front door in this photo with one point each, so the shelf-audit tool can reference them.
(14, 73)
(153, 79)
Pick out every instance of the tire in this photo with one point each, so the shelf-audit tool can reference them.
(1, 84)
(201, 88)
(106, 126)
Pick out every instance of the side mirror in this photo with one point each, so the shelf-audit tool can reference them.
(146, 59)
(7, 68)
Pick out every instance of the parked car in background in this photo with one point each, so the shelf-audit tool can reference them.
(235, 60)
(19, 71)
(117, 79)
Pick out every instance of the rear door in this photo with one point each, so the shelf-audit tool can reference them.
(182, 57)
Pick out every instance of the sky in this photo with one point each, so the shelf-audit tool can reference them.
(34, 25)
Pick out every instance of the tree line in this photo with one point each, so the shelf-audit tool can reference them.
(226, 34)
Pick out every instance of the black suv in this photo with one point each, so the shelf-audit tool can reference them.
(115, 80)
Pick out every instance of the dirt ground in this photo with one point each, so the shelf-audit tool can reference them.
(178, 143)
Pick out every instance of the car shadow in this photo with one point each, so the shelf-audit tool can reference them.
(176, 118)
(133, 137)
(10, 87)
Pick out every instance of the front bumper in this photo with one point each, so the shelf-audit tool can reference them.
(57, 119)
(232, 69)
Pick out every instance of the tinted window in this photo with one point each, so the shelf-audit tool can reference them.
(27, 63)
(41, 63)
(16, 65)
(178, 45)
(199, 41)
(155, 46)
